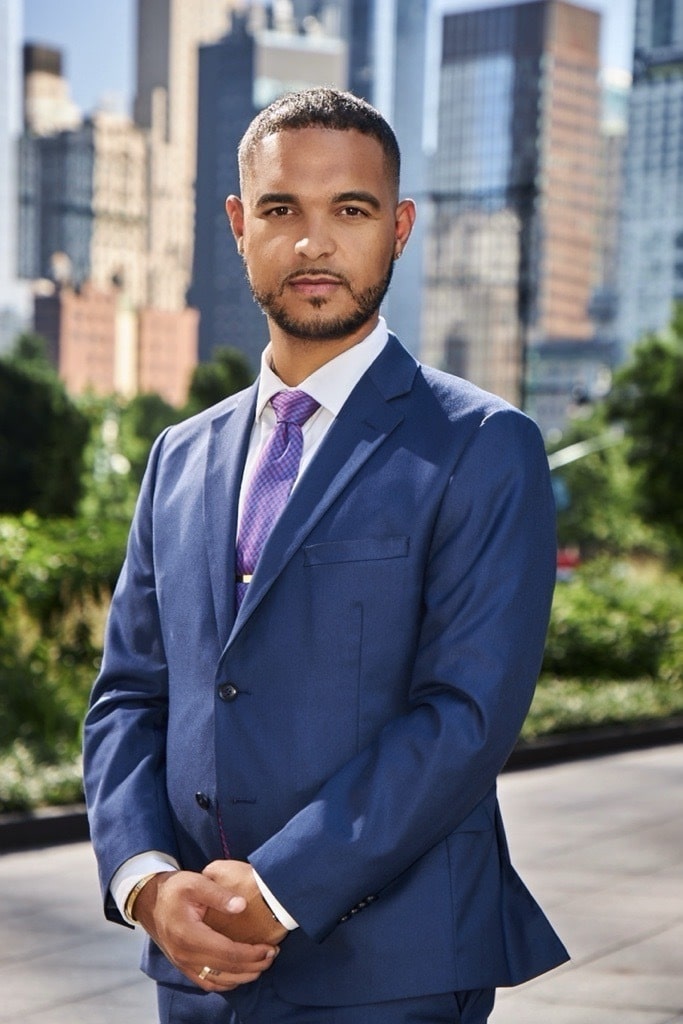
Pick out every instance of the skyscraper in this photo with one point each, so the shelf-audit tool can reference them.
(243, 72)
(616, 87)
(651, 246)
(82, 194)
(388, 50)
(169, 33)
(48, 107)
(511, 241)
(13, 297)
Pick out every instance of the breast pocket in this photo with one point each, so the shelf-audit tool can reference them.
(363, 550)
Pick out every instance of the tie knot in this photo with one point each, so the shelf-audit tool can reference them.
(293, 406)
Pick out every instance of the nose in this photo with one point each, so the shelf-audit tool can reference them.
(316, 243)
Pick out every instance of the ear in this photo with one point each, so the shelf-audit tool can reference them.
(405, 218)
(235, 212)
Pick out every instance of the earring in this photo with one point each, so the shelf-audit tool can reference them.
(398, 254)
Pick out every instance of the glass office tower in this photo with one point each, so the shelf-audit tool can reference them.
(651, 277)
(13, 298)
(510, 256)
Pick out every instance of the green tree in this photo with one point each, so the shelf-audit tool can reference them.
(648, 399)
(596, 493)
(141, 422)
(42, 436)
(30, 350)
(227, 373)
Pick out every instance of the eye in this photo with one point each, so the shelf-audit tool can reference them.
(353, 211)
(278, 211)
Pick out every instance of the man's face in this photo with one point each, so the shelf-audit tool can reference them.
(319, 227)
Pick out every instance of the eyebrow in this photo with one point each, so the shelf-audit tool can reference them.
(277, 198)
(358, 197)
(288, 198)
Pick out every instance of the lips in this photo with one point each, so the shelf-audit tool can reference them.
(314, 284)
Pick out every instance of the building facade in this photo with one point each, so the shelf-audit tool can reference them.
(651, 244)
(102, 345)
(392, 62)
(510, 258)
(166, 352)
(82, 193)
(13, 297)
(80, 328)
(254, 63)
(616, 87)
(169, 33)
(48, 107)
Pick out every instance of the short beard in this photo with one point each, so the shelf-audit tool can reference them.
(323, 328)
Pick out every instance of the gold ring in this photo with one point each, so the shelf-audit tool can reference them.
(205, 971)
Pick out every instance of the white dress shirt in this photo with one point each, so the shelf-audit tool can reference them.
(330, 385)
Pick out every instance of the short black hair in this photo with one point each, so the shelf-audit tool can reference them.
(321, 108)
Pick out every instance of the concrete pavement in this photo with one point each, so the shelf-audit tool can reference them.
(600, 842)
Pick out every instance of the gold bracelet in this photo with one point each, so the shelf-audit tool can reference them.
(135, 892)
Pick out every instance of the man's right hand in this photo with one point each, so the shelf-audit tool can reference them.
(171, 908)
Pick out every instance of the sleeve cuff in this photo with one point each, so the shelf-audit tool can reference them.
(285, 919)
(132, 870)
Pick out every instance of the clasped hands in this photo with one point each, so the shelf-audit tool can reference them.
(217, 918)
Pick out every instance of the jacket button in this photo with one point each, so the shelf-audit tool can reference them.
(203, 801)
(228, 692)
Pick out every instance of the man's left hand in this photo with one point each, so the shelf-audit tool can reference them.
(256, 923)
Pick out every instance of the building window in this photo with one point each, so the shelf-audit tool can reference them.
(662, 22)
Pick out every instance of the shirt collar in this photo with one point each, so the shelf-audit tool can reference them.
(332, 383)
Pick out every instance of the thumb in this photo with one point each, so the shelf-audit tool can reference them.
(211, 894)
(236, 904)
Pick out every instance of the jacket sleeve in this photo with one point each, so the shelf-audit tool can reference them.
(488, 585)
(125, 728)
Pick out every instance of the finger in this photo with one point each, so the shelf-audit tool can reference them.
(218, 980)
(206, 892)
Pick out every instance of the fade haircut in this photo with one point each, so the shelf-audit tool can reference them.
(321, 108)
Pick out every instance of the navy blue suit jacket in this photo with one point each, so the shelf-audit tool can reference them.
(378, 674)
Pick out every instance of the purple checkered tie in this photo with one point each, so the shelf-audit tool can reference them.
(272, 480)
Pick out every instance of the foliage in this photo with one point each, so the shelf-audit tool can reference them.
(597, 496)
(572, 705)
(226, 374)
(30, 351)
(42, 436)
(647, 399)
(56, 577)
(613, 621)
(27, 782)
(141, 422)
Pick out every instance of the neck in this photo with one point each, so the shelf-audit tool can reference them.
(295, 359)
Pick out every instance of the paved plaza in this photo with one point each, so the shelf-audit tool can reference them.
(599, 842)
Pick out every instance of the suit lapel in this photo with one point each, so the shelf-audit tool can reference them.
(226, 454)
(367, 418)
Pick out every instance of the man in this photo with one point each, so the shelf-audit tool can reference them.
(305, 699)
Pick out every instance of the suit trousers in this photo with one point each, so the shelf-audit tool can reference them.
(259, 1004)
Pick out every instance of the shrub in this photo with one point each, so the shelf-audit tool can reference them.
(613, 620)
(56, 578)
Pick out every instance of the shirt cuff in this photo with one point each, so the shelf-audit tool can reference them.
(131, 871)
(285, 919)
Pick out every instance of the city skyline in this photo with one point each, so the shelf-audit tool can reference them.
(99, 54)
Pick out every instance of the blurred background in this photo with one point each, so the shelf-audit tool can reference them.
(543, 143)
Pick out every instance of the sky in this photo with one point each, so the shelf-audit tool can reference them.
(98, 41)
